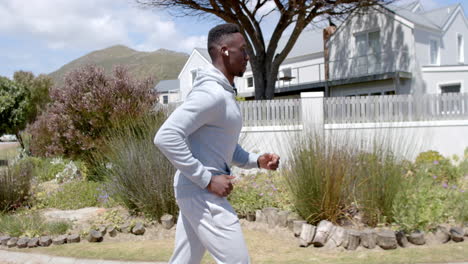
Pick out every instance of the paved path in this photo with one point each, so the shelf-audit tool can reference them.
(10, 257)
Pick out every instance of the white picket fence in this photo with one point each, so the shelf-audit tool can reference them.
(271, 112)
(396, 108)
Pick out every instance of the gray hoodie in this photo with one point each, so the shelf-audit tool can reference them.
(200, 137)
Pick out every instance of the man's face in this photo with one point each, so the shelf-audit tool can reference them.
(236, 61)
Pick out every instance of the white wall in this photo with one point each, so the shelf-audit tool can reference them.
(185, 77)
(445, 75)
(449, 55)
(173, 97)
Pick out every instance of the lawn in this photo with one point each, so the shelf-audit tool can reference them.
(266, 248)
(8, 150)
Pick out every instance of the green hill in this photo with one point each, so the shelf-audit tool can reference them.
(161, 64)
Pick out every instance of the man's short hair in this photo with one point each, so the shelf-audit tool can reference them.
(217, 35)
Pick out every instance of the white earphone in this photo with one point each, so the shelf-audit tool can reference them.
(226, 53)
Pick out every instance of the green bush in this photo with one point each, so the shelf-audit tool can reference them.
(15, 185)
(138, 174)
(423, 203)
(31, 225)
(258, 191)
(436, 165)
(73, 195)
(58, 169)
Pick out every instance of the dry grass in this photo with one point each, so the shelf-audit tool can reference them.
(266, 248)
(8, 150)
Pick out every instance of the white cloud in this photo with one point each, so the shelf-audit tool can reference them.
(90, 25)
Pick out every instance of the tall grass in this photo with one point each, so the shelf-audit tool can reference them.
(329, 176)
(138, 174)
(15, 185)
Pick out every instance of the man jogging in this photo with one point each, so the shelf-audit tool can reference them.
(200, 139)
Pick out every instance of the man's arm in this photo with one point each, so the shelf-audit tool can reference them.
(246, 160)
(200, 108)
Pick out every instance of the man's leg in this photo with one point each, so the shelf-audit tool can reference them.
(217, 227)
(188, 248)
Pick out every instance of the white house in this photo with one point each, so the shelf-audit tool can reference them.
(378, 50)
(168, 91)
(400, 50)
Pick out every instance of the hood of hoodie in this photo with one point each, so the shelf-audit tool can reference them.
(210, 73)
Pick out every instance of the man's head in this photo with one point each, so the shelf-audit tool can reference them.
(227, 48)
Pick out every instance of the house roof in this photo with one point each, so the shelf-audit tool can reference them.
(167, 86)
(204, 53)
(433, 19)
(309, 42)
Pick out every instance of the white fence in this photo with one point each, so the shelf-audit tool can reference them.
(271, 112)
(396, 108)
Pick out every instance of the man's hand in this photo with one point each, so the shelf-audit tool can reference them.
(268, 161)
(221, 185)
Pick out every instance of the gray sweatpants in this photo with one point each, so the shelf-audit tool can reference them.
(207, 222)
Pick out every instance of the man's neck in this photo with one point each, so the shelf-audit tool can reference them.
(222, 69)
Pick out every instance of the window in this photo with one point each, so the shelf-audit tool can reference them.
(250, 83)
(194, 75)
(165, 99)
(368, 52)
(450, 88)
(461, 49)
(390, 93)
(434, 50)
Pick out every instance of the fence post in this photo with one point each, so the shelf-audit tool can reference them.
(312, 111)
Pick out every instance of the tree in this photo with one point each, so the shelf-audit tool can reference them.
(294, 17)
(14, 107)
(39, 91)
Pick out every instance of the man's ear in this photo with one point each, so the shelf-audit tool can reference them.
(224, 51)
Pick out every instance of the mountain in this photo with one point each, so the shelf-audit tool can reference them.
(161, 64)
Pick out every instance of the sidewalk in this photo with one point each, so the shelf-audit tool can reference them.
(10, 257)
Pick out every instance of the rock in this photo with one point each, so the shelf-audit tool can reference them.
(283, 218)
(297, 226)
(417, 238)
(250, 217)
(138, 229)
(401, 239)
(60, 240)
(324, 228)
(335, 239)
(125, 228)
(442, 234)
(271, 215)
(260, 217)
(386, 239)
(167, 221)
(33, 242)
(103, 230)
(4, 240)
(45, 241)
(307, 234)
(95, 236)
(112, 231)
(354, 239)
(73, 238)
(22, 242)
(368, 239)
(291, 218)
(12, 242)
(456, 233)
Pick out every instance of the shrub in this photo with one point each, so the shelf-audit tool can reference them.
(85, 107)
(72, 195)
(138, 174)
(436, 165)
(257, 191)
(15, 185)
(319, 180)
(31, 225)
(423, 203)
(378, 179)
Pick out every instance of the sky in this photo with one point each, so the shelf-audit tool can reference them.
(42, 35)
